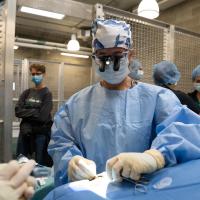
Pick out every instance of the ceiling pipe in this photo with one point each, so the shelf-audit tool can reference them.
(46, 47)
(53, 44)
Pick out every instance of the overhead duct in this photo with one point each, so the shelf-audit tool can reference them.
(41, 44)
(165, 4)
(37, 46)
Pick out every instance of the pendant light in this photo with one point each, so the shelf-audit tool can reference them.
(73, 44)
(148, 9)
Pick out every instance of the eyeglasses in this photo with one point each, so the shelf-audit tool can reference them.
(104, 61)
(37, 73)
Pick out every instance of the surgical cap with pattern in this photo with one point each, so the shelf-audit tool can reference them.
(110, 33)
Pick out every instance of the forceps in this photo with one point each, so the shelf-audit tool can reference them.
(140, 185)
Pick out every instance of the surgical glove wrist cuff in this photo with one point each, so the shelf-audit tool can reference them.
(157, 155)
(81, 168)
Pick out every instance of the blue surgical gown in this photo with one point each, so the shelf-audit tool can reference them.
(98, 123)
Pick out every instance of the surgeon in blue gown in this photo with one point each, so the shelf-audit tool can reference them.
(119, 125)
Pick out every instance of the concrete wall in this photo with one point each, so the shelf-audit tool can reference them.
(186, 15)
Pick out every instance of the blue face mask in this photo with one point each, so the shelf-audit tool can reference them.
(114, 77)
(37, 79)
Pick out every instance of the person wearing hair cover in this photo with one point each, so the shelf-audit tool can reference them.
(195, 95)
(136, 69)
(117, 125)
(166, 74)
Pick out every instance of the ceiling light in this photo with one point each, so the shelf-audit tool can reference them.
(15, 47)
(74, 55)
(148, 9)
(73, 44)
(14, 86)
(43, 13)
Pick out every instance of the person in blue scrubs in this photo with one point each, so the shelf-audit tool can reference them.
(166, 74)
(117, 125)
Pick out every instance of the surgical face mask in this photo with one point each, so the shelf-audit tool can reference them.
(37, 79)
(137, 74)
(114, 73)
(140, 74)
(197, 86)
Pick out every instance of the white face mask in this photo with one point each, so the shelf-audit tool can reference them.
(197, 86)
(114, 77)
(137, 74)
(140, 73)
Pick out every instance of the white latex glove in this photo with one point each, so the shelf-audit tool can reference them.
(132, 165)
(81, 168)
(15, 182)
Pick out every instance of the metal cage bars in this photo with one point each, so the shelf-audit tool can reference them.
(7, 34)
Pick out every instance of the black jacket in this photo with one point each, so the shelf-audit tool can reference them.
(185, 100)
(193, 95)
(34, 107)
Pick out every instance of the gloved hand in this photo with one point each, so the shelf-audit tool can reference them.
(132, 165)
(80, 168)
(15, 182)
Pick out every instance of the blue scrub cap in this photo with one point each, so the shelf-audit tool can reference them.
(196, 72)
(110, 33)
(165, 72)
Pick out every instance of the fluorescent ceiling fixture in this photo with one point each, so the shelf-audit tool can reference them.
(148, 9)
(43, 13)
(15, 47)
(73, 44)
(13, 86)
(74, 55)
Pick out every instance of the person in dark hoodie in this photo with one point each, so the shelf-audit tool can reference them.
(34, 108)
(166, 74)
